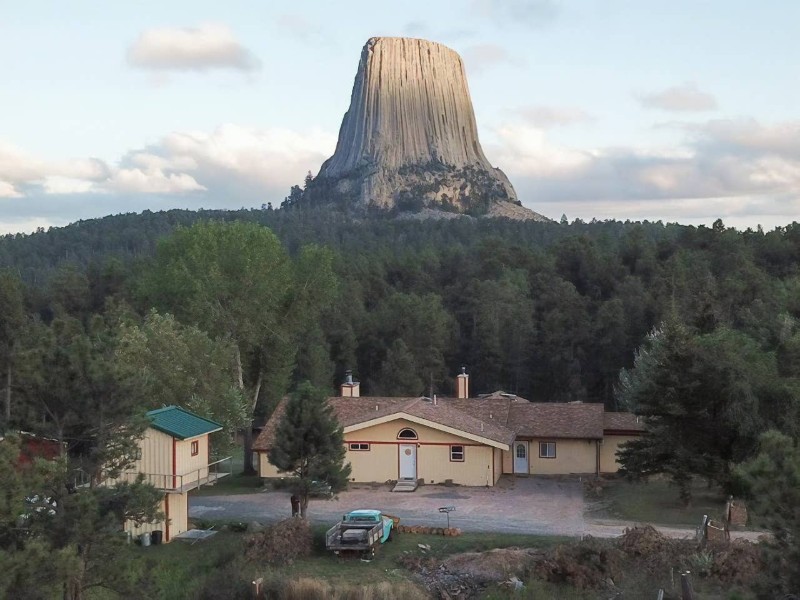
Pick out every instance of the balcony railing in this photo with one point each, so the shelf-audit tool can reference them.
(206, 475)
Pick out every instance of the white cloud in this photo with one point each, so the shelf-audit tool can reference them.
(209, 46)
(8, 191)
(552, 116)
(731, 169)
(682, 98)
(481, 57)
(526, 151)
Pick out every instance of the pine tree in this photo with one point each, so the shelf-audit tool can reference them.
(309, 444)
(773, 481)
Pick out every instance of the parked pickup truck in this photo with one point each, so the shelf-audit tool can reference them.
(360, 531)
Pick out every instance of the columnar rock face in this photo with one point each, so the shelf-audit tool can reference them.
(409, 139)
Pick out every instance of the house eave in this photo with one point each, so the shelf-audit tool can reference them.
(432, 424)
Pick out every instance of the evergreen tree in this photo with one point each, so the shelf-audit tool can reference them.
(12, 318)
(772, 481)
(309, 444)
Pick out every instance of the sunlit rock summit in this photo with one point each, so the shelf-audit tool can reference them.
(409, 140)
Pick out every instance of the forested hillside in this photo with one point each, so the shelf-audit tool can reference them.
(548, 311)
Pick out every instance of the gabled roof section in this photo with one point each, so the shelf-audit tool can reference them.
(181, 423)
(442, 416)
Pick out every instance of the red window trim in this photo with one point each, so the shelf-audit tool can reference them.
(463, 453)
(195, 448)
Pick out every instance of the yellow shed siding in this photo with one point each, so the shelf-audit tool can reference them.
(178, 514)
(609, 462)
(191, 467)
(572, 456)
(497, 455)
(156, 457)
(175, 507)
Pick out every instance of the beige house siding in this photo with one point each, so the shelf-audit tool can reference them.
(388, 432)
(434, 465)
(381, 462)
(266, 468)
(572, 456)
(498, 463)
(507, 462)
(608, 451)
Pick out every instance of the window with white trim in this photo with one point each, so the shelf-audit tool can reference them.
(547, 449)
(359, 446)
(457, 453)
(407, 434)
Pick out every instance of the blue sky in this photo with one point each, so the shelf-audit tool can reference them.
(682, 111)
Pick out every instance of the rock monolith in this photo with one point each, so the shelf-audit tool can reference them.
(409, 140)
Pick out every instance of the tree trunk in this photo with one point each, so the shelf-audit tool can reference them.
(8, 393)
(303, 505)
(249, 469)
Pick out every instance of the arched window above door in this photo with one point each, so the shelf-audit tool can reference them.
(407, 434)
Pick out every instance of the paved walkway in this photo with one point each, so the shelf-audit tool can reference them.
(539, 506)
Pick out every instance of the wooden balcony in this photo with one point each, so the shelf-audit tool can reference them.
(184, 482)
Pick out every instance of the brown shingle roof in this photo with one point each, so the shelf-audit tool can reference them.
(557, 420)
(498, 417)
(622, 422)
(264, 440)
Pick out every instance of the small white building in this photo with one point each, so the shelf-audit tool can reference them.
(174, 457)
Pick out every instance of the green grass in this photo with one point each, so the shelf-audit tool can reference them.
(384, 566)
(656, 502)
(215, 568)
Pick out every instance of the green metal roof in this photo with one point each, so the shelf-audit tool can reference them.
(180, 423)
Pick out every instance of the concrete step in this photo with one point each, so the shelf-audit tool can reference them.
(405, 485)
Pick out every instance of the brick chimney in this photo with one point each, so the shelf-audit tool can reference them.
(350, 388)
(462, 384)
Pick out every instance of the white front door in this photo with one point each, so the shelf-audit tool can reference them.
(521, 458)
(408, 461)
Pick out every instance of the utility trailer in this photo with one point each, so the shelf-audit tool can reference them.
(360, 531)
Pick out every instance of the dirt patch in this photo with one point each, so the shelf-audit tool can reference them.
(494, 565)
(739, 562)
(281, 543)
(589, 564)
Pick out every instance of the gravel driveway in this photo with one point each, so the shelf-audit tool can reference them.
(533, 505)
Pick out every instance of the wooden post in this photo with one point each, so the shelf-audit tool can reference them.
(687, 593)
(255, 588)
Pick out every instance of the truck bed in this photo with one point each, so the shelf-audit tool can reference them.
(353, 536)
